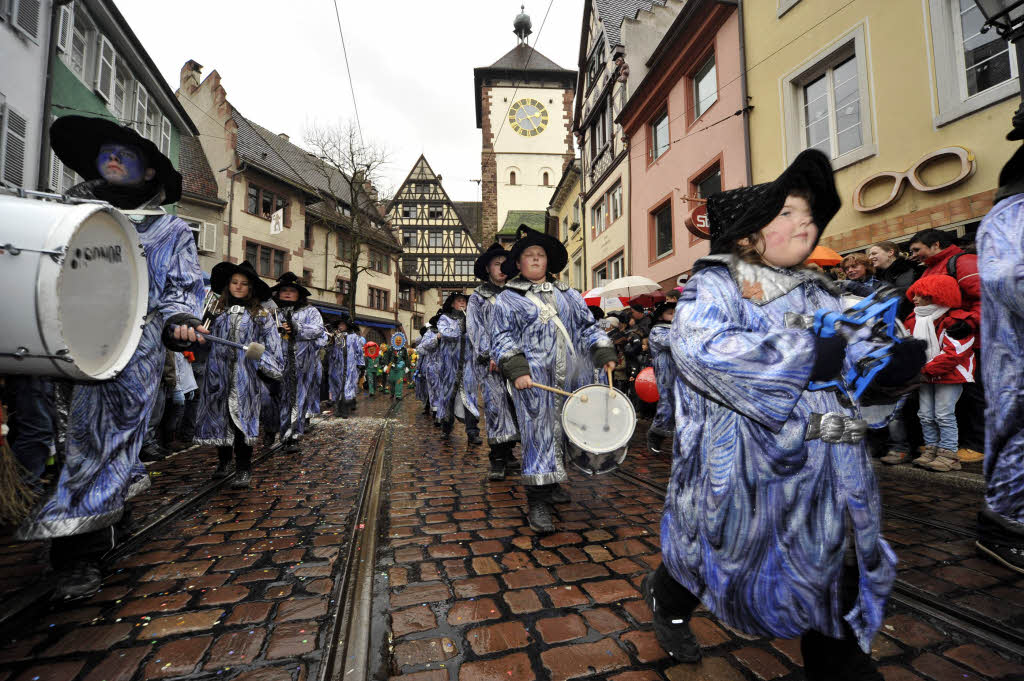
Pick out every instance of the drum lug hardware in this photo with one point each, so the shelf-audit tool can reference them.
(57, 255)
(23, 353)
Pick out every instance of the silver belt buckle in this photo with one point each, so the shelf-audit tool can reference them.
(835, 428)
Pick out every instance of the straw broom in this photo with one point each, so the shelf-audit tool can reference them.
(16, 498)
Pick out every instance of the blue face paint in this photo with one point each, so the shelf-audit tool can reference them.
(121, 164)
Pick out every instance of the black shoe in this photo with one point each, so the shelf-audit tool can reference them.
(81, 580)
(243, 479)
(539, 516)
(836, 659)
(474, 439)
(559, 495)
(292, 446)
(268, 438)
(654, 442)
(223, 471)
(497, 471)
(674, 635)
(1008, 556)
(152, 452)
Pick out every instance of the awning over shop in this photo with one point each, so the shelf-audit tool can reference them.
(338, 311)
(376, 324)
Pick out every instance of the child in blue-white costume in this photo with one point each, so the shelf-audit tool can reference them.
(346, 360)
(772, 515)
(663, 424)
(544, 332)
(453, 366)
(229, 399)
(107, 420)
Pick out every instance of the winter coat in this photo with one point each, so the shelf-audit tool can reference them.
(759, 510)
(955, 361)
(1000, 254)
(966, 276)
(346, 356)
(900, 274)
(302, 368)
(501, 422)
(454, 367)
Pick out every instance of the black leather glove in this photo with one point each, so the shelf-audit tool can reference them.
(828, 357)
(907, 358)
(959, 330)
(172, 343)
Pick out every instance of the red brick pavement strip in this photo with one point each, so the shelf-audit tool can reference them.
(568, 605)
(243, 583)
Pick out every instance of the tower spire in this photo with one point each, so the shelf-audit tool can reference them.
(522, 26)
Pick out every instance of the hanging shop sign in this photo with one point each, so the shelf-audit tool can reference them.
(912, 175)
(697, 222)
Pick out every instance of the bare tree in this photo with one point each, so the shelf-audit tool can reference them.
(352, 172)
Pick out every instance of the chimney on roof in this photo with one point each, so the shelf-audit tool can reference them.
(283, 136)
(190, 74)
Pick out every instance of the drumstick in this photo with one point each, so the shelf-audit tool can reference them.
(610, 388)
(557, 391)
(252, 350)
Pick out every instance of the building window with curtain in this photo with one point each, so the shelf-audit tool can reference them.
(661, 227)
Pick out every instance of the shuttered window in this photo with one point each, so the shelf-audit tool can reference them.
(12, 154)
(105, 69)
(165, 137)
(141, 106)
(65, 26)
(26, 17)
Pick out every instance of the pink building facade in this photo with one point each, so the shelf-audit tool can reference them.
(686, 138)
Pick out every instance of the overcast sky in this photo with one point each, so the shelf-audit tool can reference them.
(412, 65)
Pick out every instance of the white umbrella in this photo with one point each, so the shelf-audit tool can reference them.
(627, 287)
(596, 296)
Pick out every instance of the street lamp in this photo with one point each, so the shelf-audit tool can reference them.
(1007, 17)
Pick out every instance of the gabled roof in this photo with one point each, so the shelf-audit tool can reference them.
(612, 12)
(197, 179)
(521, 63)
(534, 219)
(422, 172)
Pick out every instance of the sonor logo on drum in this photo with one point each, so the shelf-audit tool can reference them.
(111, 253)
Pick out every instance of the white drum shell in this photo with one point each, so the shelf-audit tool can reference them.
(583, 421)
(89, 305)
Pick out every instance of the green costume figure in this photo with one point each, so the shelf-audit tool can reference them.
(396, 374)
(372, 370)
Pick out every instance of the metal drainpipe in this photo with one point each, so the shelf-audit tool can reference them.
(743, 93)
(43, 175)
(231, 211)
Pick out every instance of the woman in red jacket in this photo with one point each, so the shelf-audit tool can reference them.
(939, 320)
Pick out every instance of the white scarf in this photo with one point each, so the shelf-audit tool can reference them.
(924, 326)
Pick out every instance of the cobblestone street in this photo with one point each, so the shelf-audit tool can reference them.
(251, 584)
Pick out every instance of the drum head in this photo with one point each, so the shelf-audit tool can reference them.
(603, 423)
(102, 293)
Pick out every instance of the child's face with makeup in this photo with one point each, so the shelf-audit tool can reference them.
(789, 238)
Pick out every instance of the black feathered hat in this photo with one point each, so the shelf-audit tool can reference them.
(496, 250)
(290, 279)
(220, 276)
(596, 311)
(77, 140)
(737, 213)
(450, 300)
(558, 257)
(660, 308)
(435, 319)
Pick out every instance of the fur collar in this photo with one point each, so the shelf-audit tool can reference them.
(761, 284)
(523, 286)
(487, 290)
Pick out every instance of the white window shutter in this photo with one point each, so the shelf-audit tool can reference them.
(15, 133)
(208, 237)
(165, 137)
(25, 14)
(141, 104)
(105, 65)
(56, 173)
(65, 27)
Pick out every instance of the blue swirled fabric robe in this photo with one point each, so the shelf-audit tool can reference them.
(661, 357)
(233, 387)
(756, 518)
(300, 354)
(419, 377)
(554, 360)
(427, 349)
(345, 356)
(501, 423)
(453, 367)
(107, 421)
(1001, 266)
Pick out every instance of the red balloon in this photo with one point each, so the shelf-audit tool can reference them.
(646, 385)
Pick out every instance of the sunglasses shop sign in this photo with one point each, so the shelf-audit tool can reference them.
(897, 181)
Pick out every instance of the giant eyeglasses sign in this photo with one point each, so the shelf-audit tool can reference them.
(912, 175)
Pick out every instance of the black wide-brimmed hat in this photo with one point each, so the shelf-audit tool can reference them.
(737, 213)
(558, 257)
(220, 276)
(77, 140)
(450, 300)
(496, 250)
(660, 308)
(434, 320)
(290, 279)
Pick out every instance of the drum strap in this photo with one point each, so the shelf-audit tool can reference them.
(548, 313)
(141, 212)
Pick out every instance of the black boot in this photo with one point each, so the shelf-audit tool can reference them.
(558, 495)
(268, 438)
(243, 479)
(446, 430)
(672, 606)
(81, 580)
(836, 659)
(243, 466)
(223, 463)
(539, 514)
(341, 408)
(152, 451)
(497, 461)
(654, 442)
(1001, 540)
(473, 438)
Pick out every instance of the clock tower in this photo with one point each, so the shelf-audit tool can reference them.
(524, 104)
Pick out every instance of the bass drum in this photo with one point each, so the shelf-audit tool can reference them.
(77, 289)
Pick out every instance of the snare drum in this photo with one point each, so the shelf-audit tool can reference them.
(75, 289)
(599, 422)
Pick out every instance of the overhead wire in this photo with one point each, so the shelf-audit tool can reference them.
(351, 85)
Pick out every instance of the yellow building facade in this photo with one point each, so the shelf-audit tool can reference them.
(566, 210)
(909, 100)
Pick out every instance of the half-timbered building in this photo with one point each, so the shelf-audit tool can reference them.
(439, 247)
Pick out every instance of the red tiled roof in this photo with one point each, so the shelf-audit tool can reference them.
(196, 174)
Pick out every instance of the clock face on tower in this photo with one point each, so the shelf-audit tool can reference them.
(528, 117)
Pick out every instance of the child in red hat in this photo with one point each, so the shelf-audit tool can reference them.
(948, 329)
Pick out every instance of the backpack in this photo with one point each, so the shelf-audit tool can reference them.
(951, 266)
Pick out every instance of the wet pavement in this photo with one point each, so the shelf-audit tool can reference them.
(248, 584)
